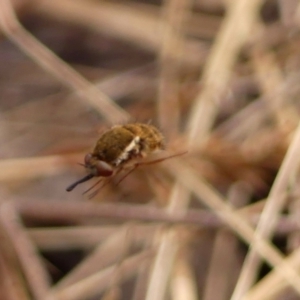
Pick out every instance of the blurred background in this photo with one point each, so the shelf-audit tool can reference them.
(220, 79)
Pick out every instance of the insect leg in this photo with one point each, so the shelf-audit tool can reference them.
(129, 172)
(136, 165)
(159, 159)
(107, 181)
(90, 188)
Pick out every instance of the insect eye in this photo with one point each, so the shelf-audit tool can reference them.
(103, 169)
(87, 159)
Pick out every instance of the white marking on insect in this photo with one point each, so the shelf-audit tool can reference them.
(125, 154)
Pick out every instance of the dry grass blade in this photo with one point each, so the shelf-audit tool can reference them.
(127, 82)
(194, 243)
(229, 42)
(119, 20)
(109, 251)
(141, 282)
(183, 282)
(174, 16)
(29, 168)
(163, 264)
(168, 247)
(57, 67)
(270, 215)
(110, 18)
(270, 77)
(13, 285)
(97, 283)
(33, 268)
(74, 212)
(218, 286)
(215, 202)
(78, 237)
(219, 66)
(272, 285)
(245, 122)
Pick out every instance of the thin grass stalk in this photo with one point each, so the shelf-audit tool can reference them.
(235, 30)
(118, 20)
(237, 223)
(269, 287)
(36, 167)
(83, 237)
(293, 239)
(229, 41)
(141, 283)
(215, 202)
(174, 16)
(33, 268)
(12, 286)
(74, 212)
(220, 274)
(168, 247)
(270, 215)
(270, 77)
(106, 253)
(52, 64)
(121, 21)
(183, 282)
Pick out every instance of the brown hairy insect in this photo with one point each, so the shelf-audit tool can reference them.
(121, 147)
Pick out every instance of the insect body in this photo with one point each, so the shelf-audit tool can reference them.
(119, 147)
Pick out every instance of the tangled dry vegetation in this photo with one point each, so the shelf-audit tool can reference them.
(221, 80)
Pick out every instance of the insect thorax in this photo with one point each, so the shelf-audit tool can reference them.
(150, 137)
